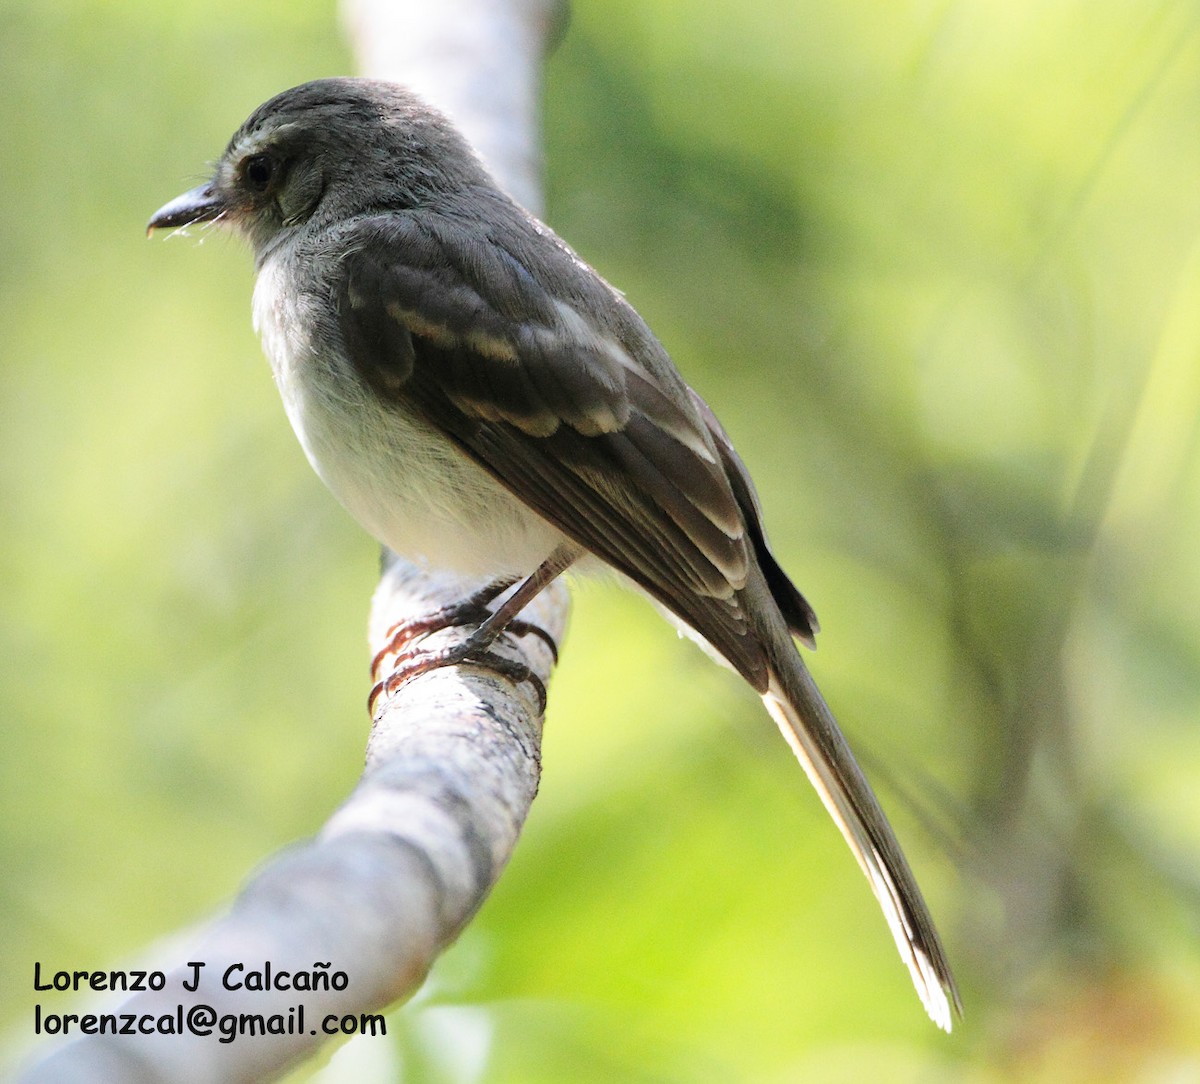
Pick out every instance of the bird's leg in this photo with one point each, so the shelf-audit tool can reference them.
(475, 648)
(504, 616)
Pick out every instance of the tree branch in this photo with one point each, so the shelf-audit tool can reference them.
(453, 759)
(395, 874)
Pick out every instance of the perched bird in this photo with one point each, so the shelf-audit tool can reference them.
(480, 399)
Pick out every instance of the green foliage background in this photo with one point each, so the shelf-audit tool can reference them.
(937, 266)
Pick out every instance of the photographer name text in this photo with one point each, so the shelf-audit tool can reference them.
(263, 977)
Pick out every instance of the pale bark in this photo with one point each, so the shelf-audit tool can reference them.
(454, 755)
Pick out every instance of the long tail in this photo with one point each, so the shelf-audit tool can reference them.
(796, 704)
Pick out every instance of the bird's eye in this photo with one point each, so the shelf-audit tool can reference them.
(259, 171)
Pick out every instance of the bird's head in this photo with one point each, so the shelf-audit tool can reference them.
(324, 152)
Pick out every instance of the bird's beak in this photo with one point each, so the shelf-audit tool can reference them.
(200, 204)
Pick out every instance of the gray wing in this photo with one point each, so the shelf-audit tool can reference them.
(543, 375)
(567, 399)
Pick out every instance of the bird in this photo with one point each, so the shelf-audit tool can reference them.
(482, 400)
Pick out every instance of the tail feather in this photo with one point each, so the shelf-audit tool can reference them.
(796, 704)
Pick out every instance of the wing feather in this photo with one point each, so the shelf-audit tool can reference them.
(547, 378)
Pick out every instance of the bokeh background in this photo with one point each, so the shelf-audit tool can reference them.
(936, 264)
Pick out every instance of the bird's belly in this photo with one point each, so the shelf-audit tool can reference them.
(411, 488)
(402, 479)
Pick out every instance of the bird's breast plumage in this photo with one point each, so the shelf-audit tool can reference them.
(402, 480)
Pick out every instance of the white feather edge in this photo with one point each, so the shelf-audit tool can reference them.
(921, 968)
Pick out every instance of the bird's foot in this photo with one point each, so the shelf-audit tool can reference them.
(408, 661)
(470, 611)
(417, 661)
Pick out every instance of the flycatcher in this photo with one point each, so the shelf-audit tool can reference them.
(481, 400)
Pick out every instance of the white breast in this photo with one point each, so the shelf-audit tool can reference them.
(403, 480)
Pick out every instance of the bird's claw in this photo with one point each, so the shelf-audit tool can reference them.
(411, 664)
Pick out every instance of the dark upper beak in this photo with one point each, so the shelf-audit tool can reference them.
(200, 204)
